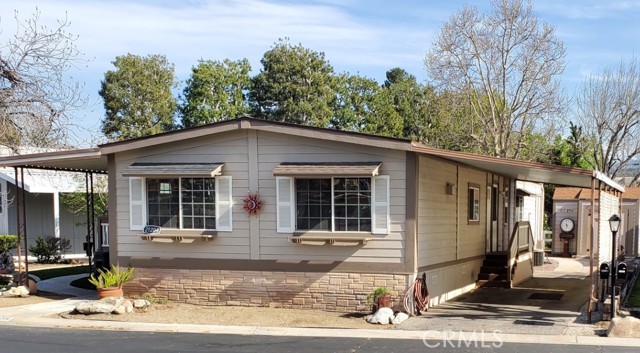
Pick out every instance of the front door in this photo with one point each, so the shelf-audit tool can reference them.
(492, 218)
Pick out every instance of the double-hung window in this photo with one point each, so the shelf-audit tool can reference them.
(185, 203)
(333, 204)
(473, 205)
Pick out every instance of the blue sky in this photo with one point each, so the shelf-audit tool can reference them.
(357, 36)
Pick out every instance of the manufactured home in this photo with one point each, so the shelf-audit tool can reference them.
(251, 212)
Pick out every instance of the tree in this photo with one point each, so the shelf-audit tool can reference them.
(296, 85)
(37, 97)
(76, 202)
(576, 150)
(215, 91)
(506, 65)
(137, 97)
(608, 106)
(361, 105)
(413, 102)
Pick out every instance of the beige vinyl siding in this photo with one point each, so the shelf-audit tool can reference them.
(436, 217)
(274, 149)
(471, 237)
(230, 149)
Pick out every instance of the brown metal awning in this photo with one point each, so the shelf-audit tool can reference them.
(327, 169)
(173, 170)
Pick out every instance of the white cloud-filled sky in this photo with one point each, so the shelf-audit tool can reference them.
(357, 36)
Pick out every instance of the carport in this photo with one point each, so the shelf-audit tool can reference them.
(564, 176)
(86, 161)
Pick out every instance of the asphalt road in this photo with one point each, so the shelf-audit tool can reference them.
(36, 340)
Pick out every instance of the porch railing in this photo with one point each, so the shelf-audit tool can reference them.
(521, 241)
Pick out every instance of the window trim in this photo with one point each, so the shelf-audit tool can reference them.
(179, 231)
(383, 204)
(472, 202)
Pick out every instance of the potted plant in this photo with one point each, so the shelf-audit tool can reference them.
(380, 298)
(109, 282)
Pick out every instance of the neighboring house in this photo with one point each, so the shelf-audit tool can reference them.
(341, 213)
(574, 204)
(46, 215)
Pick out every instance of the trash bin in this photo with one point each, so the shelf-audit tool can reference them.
(538, 258)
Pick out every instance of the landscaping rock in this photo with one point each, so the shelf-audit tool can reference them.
(128, 306)
(119, 310)
(95, 307)
(400, 317)
(141, 303)
(20, 291)
(115, 301)
(383, 316)
(628, 327)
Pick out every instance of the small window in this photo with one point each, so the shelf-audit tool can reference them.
(474, 203)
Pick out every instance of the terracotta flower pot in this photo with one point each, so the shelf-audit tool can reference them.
(382, 301)
(110, 292)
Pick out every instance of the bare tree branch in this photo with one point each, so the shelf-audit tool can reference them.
(507, 64)
(36, 94)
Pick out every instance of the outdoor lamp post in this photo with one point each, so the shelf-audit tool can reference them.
(614, 223)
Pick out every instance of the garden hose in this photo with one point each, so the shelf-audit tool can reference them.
(416, 299)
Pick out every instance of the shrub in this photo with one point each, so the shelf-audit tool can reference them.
(373, 296)
(8, 243)
(49, 250)
(114, 277)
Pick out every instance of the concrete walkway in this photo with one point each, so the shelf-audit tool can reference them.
(547, 304)
(36, 316)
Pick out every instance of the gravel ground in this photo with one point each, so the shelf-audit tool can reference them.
(41, 297)
(176, 313)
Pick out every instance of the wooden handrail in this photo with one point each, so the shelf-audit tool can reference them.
(514, 244)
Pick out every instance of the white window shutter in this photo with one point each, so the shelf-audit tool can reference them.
(224, 204)
(137, 204)
(284, 199)
(380, 205)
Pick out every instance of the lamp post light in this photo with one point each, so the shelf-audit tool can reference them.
(614, 223)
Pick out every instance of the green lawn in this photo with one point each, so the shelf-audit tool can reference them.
(634, 298)
(60, 271)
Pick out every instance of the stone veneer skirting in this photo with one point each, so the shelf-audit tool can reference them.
(304, 290)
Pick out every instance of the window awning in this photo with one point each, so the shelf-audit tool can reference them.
(173, 170)
(327, 169)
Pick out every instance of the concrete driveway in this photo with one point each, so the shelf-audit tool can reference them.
(547, 304)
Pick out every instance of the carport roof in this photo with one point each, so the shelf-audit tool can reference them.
(95, 160)
(79, 160)
(521, 170)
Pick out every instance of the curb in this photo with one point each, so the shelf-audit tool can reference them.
(463, 337)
